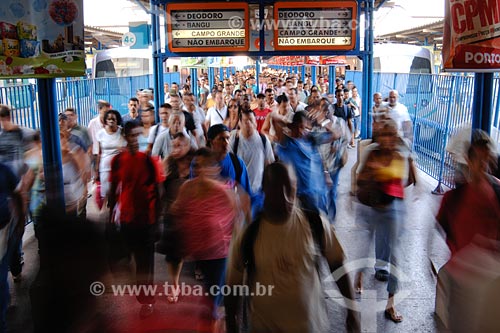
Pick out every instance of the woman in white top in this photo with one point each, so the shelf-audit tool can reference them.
(110, 143)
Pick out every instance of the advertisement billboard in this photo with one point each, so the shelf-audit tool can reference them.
(471, 40)
(41, 39)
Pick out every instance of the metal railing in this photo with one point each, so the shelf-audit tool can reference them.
(438, 105)
(80, 93)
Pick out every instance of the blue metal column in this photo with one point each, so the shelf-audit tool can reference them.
(194, 81)
(481, 106)
(331, 79)
(157, 60)
(303, 73)
(52, 158)
(367, 80)
(313, 75)
(221, 74)
(211, 78)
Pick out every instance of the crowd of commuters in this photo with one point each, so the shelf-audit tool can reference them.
(239, 164)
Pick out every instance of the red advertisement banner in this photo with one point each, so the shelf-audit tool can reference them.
(471, 38)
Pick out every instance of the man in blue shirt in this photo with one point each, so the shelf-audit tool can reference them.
(232, 166)
(299, 149)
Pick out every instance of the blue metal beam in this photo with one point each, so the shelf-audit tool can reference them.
(367, 81)
(157, 58)
(482, 106)
(52, 158)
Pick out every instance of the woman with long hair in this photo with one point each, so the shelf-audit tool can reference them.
(111, 142)
(177, 171)
(232, 119)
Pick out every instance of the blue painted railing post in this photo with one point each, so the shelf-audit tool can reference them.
(33, 123)
(439, 188)
(76, 103)
(303, 73)
(52, 158)
(415, 113)
(194, 81)
(331, 79)
(108, 90)
(313, 75)
(132, 92)
(497, 108)
(257, 73)
(211, 78)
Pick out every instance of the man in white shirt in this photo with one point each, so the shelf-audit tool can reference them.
(163, 143)
(253, 148)
(295, 104)
(399, 113)
(217, 113)
(156, 130)
(198, 117)
(95, 125)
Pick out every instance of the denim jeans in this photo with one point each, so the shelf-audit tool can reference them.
(215, 275)
(332, 195)
(387, 224)
(356, 122)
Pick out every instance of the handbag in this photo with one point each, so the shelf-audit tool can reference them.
(412, 172)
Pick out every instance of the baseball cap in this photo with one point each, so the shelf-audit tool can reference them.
(62, 116)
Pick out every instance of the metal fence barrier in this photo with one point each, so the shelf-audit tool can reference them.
(438, 105)
(82, 94)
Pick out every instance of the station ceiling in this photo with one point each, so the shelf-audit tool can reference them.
(425, 35)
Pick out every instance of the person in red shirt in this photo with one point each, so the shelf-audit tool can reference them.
(473, 209)
(261, 111)
(133, 199)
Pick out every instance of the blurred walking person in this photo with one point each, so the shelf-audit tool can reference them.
(133, 202)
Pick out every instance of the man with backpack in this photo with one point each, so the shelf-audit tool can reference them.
(252, 147)
(342, 110)
(232, 166)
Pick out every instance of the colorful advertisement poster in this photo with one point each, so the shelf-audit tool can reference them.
(313, 60)
(334, 60)
(194, 62)
(471, 40)
(41, 38)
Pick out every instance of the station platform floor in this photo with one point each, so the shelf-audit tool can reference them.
(424, 251)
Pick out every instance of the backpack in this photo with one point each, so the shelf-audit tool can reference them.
(251, 232)
(345, 114)
(237, 141)
(238, 170)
